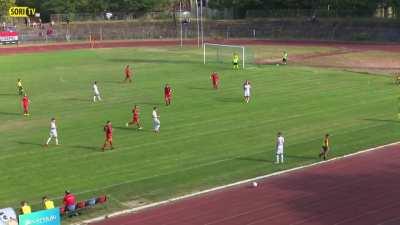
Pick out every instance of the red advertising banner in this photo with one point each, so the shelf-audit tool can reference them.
(8, 37)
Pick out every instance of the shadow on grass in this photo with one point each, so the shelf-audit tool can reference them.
(123, 128)
(156, 61)
(29, 143)
(8, 94)
(77, 99)
(93, 148)
(288, 157)
(148, 103)
(201, 88)
(117, 81)
(229, 99)
(9, 113)
(254, 159)
(302, 157)
(383, 120)
(132, 128)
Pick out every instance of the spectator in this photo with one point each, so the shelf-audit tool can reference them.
(314, 18)
(70, 203)
(47, 203)
(186, 21)
(25, 208)
(49, 31)
(108, 15)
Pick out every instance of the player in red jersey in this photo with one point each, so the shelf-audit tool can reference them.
(135, 119)
(109, 132)
(128, 74)
(215, 80)
(25, 105)
(167, 94)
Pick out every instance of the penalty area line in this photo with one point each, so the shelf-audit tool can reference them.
(61, 79)
(195, 194)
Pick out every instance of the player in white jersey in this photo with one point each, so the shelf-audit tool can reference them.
(53, 132)
(96, 92)
(247, 90)
(156, 120)
(280, 141)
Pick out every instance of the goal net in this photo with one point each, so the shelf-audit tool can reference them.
(218, 53)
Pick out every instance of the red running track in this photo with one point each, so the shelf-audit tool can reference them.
(36, 48)
(358, 190)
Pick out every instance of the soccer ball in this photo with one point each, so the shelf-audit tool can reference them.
(127, 124)
(254, 184)
(277, 64)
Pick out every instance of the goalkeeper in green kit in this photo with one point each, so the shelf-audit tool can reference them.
(20, 89)
(235, 61)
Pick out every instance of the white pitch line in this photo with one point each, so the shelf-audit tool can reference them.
(62, 79)
(137, 209)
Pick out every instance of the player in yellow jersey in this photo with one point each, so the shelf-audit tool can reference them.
(20, 89)
(235, 61)
(285, 58)
(325, 147)
(47, 203)
(25, 208)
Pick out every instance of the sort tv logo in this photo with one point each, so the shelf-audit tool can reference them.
(21, 12)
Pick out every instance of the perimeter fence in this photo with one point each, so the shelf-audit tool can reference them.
(217, 24)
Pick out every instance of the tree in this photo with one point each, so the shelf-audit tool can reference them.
(239, 6)
(4, 7)
(395, 5)
(342, 7)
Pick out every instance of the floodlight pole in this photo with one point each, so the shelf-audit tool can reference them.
(198, 25)
(201, 22)
(180, 20)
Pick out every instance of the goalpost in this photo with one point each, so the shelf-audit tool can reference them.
(223, 53)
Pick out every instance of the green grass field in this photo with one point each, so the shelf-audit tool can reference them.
(207, 138)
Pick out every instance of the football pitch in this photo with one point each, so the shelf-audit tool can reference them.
(208, 137)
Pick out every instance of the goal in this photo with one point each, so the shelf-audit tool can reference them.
(213, 53)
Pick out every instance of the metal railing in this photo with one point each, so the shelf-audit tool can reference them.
(295, 24)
